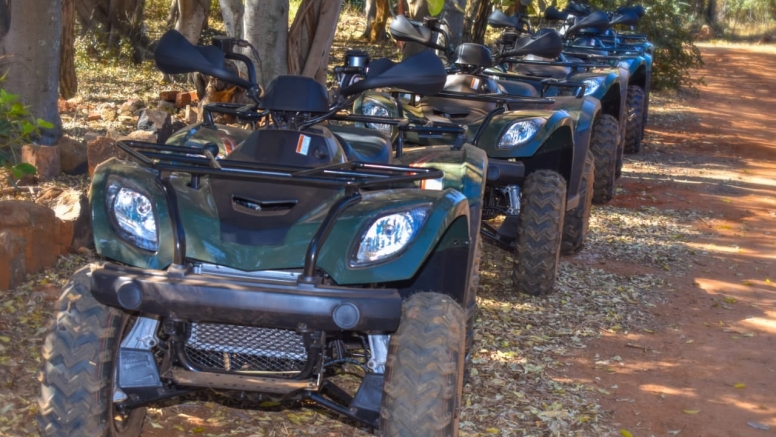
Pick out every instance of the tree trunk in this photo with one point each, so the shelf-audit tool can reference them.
(453, 14)
(265, 24)
(370, 11)
(29, 52)
(5, 17)
(119, 19)
(232, 12)
(311, 36)
(377, 32)
(191, 18)
(68, 83)
(476, 21)
(172, 16)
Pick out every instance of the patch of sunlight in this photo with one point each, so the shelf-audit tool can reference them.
(662, 389)
(765, 324)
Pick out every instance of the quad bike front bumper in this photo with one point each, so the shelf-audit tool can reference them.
(185, 295)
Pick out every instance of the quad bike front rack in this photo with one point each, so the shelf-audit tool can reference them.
(199, 161)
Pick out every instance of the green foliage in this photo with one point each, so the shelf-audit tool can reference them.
(666, 24)
(17, 127)
(435, 7)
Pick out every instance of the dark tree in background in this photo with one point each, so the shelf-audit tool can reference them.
(68, 82)
(30, 33)
(476, 21)
(114, 20)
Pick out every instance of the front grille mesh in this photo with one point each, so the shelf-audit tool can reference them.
(245, 348)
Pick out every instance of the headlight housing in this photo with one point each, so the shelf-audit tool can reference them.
(520, 132)
(377, 109)
(133, 216)
(388, 236)
(592, 84)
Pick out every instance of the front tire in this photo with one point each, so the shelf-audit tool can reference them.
(424, 370)
(539, 230)
(634, 123)
(79, 358)
(577, 220)
(603, 145)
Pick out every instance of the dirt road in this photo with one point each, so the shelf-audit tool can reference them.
(708, 368)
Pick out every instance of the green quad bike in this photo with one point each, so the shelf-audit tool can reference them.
(539, 182)
(607, 83)
(260, 274)
(590, 38)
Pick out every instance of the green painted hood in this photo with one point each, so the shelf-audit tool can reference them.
(464, 173)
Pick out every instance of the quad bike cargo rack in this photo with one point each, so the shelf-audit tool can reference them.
(199, 161)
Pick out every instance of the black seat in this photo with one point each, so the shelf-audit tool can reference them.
(546, 44)
(523, 89)
(363, 144)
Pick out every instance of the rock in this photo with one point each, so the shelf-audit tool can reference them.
(127, 120)
(107, 111)
(168, 96)
(12, 266)
(72, 156)
(94, 116)
(91, 136)
(153, 120)
(131, 107)
(71, 208)
(28, 240)
(168, 107)
(65, 106)
(183, 100)
(156, 121)
(140, 135)
(190, 115)
(44, 158)
(101, 150)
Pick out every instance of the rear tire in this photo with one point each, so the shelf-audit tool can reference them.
(424, 370)
(634, 123)
(79, 357)
(577, 220)
(603, 145)
(539, 230)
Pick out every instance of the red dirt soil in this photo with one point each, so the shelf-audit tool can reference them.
(710, 369)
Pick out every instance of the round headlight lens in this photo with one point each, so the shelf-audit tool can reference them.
(133, 213)
(520, 133)
(592, 84)
(388, 235)
(370, 107)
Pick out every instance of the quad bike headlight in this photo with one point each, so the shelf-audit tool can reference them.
(133, 216)
(388, 236)
(377, 109)
(592, 84)
(520, 132)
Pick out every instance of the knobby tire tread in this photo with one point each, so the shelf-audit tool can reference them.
(577, 221)
(424, 370)
(78, 364)
(634, 124)
(539, 231)
(603, 145)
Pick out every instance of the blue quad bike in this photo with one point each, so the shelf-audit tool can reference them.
(256, 263)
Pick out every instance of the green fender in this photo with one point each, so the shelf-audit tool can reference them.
(555, 121)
